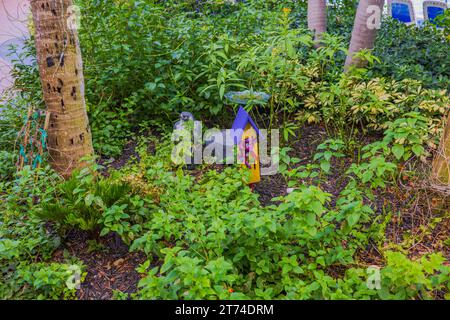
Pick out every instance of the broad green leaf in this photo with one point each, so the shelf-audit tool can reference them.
(398, 150)
(353, 218)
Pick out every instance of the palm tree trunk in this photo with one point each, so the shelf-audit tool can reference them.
(61, 73)
(317, 18)
(441, 164)
(364, 29)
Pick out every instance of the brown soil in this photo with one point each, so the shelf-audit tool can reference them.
(111, 268)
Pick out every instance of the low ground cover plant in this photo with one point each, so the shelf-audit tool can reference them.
(348, 216)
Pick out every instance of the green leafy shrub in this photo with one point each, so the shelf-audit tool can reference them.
(49, 281)
(7, 165)
(375, 172)
(92, 203)
(354, 105)
(28, 188)
(217, 243)
(327, 150)
(185, 56)
(217, 223)
(26, 243)
(415, 53)
(408, 136)
(401, 278)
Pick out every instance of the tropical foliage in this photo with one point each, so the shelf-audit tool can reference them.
(343, 217)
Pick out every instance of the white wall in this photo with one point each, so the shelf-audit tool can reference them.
(418, 7)
(13, 27)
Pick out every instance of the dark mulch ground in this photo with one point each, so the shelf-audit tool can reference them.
(303, 149)
(128, 153)
(114, 268)
(110, 268)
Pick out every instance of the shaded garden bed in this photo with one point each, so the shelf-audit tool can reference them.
(415, 221)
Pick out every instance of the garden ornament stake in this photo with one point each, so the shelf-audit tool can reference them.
(186, 123)
(185, 118)
(247, 139)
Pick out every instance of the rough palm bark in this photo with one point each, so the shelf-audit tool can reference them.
(441, 164)
(61, 73)
(364, 30)
(317, 18)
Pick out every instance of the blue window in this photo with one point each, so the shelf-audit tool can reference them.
(400, 12)
(433, 12)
